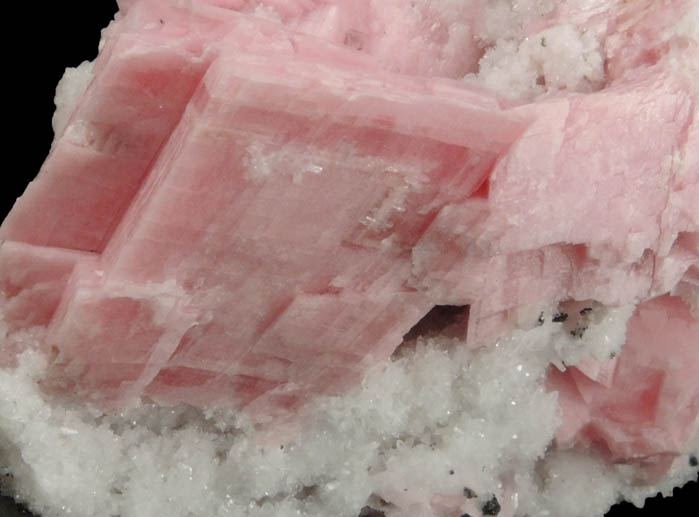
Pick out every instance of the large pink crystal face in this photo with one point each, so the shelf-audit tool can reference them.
(251, 212)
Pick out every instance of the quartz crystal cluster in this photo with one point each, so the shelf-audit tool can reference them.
(332, 257)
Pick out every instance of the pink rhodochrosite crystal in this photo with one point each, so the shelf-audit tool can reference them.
(248, 205)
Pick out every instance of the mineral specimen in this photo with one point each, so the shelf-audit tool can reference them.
(248, 206)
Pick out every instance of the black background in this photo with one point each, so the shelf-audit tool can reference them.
(60, 34)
